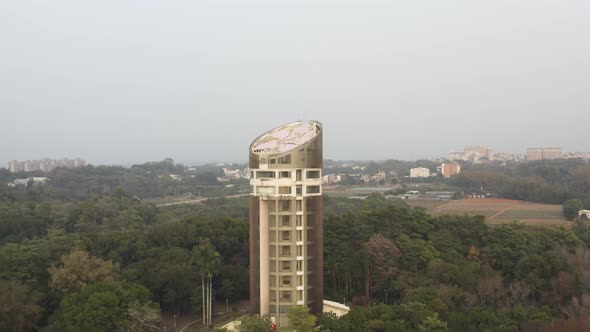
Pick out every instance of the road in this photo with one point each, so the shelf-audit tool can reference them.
(189, 201)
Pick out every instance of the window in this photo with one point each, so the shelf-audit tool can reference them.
(285, 266)
(285, 221)
(313, 189)
(285, 251)
(285, 205)
(299, 280)
(299, 220)
(299, 206)
(299, 191)
(299, 266)
(272, 220)
(298, 175)
(299, 236)
(284, 174)
(285, 159)
(313, 174)
(273, 161)
(286, 281)
(284, 190)
(286, 235)
(265, 190)
(286, 296)
(299, 250)
(265, 175)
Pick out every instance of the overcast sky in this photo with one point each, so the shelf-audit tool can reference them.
(132, 81)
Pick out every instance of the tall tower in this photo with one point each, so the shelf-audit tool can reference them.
(286, 207)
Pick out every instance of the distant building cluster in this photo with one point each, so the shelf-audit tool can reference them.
(44, 165)
(378, 177)
(575, 155)
(473, 154)
(479, 154)
(31, 181)
(381, 177)
(332, 178)
(544, 154)
(234, 174)
(447, 170)
(482, 154)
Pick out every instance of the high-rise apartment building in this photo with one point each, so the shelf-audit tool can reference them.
(474, 154)
(544, 153)
(286, 241)
(44, 165)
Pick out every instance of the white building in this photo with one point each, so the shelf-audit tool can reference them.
(419, 172)
(331, 179)
(29, 181)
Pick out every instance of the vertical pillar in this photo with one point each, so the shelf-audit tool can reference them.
(264, 259)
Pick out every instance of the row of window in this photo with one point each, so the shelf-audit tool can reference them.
(285, 205)
(285, 220)
(285, 251)
(267, 190)
(286, 296)
(287, 175)
(286, 281)
(285, 266)
(286, 235)
(281, 160)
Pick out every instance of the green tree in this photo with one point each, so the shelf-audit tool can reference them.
(433, 324)
(208, 260)
(300, 319)
(329, 322)
(19, 308)
(142, 317)
(254, 324)
(99, 307)
(77, 269)
(571, 208)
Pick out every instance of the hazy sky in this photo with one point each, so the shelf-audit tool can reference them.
(131, 81)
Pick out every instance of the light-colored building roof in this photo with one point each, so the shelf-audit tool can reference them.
(286, 138)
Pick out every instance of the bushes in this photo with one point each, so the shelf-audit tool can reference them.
(571, 208)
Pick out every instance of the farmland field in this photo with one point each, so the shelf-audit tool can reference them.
(498, 211)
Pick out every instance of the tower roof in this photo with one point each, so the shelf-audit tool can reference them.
(286, 137)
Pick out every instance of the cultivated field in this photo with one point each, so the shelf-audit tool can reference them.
(498, 211)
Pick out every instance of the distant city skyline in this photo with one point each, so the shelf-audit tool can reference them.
(389, 80)
(43, 165)
(447, 156)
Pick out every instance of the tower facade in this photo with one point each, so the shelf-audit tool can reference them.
(286, 207)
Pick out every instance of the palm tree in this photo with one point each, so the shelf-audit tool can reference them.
(208, 261)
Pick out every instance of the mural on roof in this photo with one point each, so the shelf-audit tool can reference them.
(286, 138)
